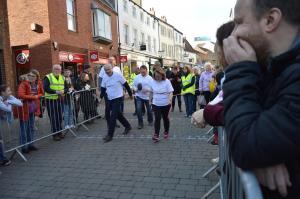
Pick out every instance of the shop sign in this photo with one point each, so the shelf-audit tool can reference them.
(71, 57)
(123, 59)
(94, 56)
(22, 58)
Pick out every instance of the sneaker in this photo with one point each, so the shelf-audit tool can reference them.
(6, 163)
(107, 139)
(67, 127)
(61, 135)
(72, 126)
(155, 138)
(166, 135)
(127, 130)
(32, 148)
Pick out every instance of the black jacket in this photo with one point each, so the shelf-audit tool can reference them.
(262, 115)
(176, 83)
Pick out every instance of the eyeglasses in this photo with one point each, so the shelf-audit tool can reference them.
(31, 75)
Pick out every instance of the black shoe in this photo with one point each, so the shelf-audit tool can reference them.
(107, 139)
(56, 138)
(118, 126)
(134, 114)
(180, 110)
(32, 148)
(127, 130)
(26, 151)
(150, 123)
(5, 163)
(140, 126)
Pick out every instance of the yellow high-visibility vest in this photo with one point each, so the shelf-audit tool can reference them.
(185, 81)
(132, 77)
(56, 85)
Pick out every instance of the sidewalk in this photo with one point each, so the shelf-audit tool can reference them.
(128, 167)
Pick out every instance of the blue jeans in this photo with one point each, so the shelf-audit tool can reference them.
(140, 103)
(2, 157)
(189, 104)
(68, 115)
(27, 131)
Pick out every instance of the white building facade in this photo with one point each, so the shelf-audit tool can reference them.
(139, 39)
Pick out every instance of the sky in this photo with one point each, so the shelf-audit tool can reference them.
(193, 17)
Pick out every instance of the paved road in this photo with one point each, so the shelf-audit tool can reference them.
(128, 167)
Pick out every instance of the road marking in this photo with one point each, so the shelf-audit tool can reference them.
(146, 137)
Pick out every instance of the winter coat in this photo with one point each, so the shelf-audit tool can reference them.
(25, 94)
(262, 115)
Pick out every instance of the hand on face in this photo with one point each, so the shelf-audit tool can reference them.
(238, 50)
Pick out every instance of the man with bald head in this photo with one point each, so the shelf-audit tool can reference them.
(261, 93)
(112, 86)
(54, 86)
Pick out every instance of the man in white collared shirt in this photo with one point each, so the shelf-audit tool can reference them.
(112, 85)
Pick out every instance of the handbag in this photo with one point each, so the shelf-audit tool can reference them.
(201, 100)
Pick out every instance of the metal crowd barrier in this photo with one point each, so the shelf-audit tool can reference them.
(234, 183)
(22, 128)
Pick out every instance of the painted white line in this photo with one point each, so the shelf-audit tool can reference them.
(144, 137)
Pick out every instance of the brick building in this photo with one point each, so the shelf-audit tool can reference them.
(40, 33)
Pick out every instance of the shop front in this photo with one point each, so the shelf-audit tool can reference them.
(73, 61)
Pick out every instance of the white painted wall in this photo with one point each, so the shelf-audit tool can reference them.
(134, 22)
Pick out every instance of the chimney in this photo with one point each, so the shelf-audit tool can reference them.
(164, 18)
(152, 11)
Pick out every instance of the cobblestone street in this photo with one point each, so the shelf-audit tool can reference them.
(128, 167)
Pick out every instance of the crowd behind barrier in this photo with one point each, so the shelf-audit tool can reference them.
(20, 129)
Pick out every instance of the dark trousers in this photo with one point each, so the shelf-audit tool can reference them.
(207, 96)
(178, 101)
(55, 113)
(161, 112)
(189, 103)
(195, 102)
(141, 103)
(115, 113)
(107, 110)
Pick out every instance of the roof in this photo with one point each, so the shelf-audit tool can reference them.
(188, 47)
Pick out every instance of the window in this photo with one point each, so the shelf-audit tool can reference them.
(142, 16)
(134, 11)
(149, 44)
(126, 34)
(163, 30)
(180, 41)
(102, 24)
(125, 6)
(135, 37)
(143, 38)
(71, 15)
(154, 45)
(153, 25)
(148, 21)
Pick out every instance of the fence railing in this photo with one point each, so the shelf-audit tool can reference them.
(234, 183)
(44, 117)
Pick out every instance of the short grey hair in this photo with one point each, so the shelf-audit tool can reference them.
(56, 65)
(106, 66)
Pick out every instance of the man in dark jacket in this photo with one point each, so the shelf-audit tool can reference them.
(261, 94)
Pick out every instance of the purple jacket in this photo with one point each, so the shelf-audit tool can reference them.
(204, 81)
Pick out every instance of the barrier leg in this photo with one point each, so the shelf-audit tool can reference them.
(72, 132)
(20, 154)
(211, 191)
(210, 170)
(210, 139)
(209, 131)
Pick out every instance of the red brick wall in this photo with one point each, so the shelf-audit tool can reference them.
(8, 69)
(21, 14)
(82, 38)
(51, 14)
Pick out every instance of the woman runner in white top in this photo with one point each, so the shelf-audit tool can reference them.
(162, 93)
